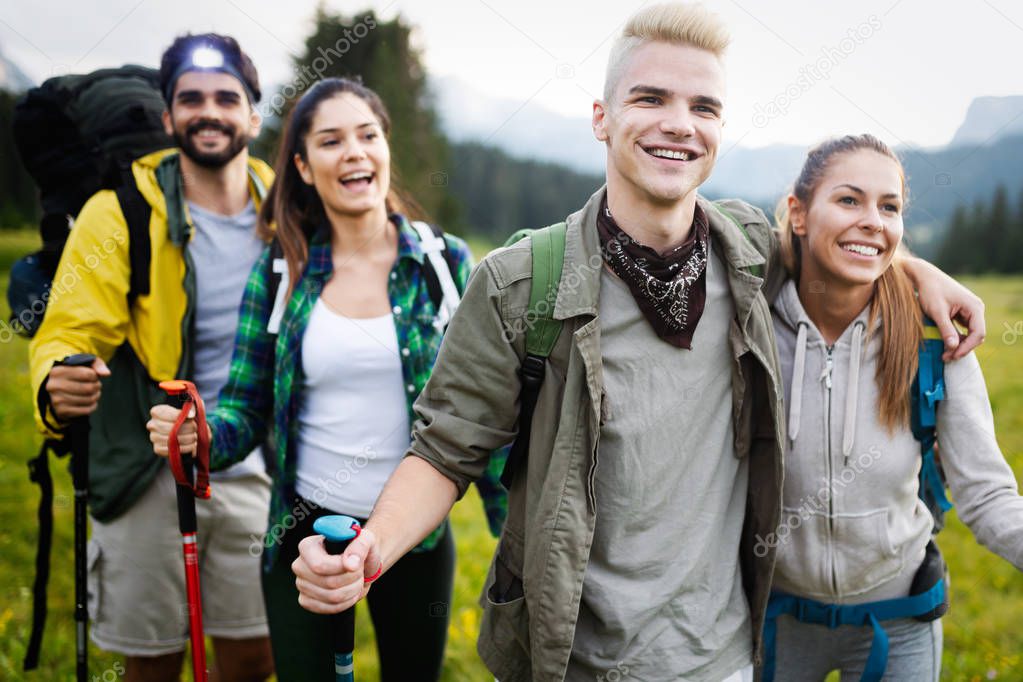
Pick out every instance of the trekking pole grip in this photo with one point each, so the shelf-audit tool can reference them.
(186, 502)
(338, 531)
(191, 470)
(78, 429)
(78, 432)
(183, 395)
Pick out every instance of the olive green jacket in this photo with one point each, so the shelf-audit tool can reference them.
(470, 407)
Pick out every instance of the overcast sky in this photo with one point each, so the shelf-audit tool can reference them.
(798, 70)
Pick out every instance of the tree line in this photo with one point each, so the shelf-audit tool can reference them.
(985, 236)
(467, 188)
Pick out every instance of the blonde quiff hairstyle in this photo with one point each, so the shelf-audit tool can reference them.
(894, 301)
(675, 23)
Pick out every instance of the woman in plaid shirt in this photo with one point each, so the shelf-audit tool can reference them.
(330, 382)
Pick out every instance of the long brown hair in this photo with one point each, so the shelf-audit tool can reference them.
(293, 211)
(894, 300)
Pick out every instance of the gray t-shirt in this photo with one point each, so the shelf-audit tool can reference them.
(223, 251)
(662, 598)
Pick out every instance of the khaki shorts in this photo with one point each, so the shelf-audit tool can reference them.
(137, 602)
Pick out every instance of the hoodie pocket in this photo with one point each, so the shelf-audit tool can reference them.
(844, 556)
(804, 562)
(864, 555)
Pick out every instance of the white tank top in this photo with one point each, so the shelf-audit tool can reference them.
(353, 423)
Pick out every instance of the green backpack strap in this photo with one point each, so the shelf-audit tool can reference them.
(542, 332)
(757, 270)
(542, 329)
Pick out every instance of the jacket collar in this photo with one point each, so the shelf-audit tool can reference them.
(739, 256)
(579, 290)
(580, 275)
(152, 178)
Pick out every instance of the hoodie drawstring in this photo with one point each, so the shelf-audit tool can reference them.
(852, 391)
(798, 369)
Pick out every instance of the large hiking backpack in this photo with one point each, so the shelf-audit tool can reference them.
(76, 135)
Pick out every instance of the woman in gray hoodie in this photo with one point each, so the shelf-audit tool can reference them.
(855, 541)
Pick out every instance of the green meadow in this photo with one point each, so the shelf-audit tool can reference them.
(983, 637)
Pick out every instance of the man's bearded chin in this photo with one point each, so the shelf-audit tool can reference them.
(212, 160)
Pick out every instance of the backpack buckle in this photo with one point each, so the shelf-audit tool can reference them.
(532, 370)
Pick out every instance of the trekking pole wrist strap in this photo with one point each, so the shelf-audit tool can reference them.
(201, 459)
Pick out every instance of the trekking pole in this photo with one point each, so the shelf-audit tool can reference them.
(78, 432)
(337, 532)
(184, 396)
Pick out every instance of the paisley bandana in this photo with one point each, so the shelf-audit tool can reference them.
(670, 290)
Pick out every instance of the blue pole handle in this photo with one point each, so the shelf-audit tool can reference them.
(337, 532)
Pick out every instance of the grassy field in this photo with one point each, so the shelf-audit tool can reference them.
(983, 638)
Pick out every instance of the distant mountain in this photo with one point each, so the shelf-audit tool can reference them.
(942, 179)
(523, 130)
(759, 175)
(990, 119)
(12, 78)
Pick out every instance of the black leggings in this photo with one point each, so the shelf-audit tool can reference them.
(409, 606)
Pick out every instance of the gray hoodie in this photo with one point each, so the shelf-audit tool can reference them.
(853, 528)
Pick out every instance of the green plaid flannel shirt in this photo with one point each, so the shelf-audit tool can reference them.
(260, 401)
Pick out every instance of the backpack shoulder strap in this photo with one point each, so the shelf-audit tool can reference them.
(137, 213)
(542, 332)
(438, 269)
(278, 278)
(39, 472)
(548, 249)
(719, 205)
(518, 236)
(927, 391)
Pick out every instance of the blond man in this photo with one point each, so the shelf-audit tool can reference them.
(655, 451)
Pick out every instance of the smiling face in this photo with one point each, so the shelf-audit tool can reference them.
(210, 118)
(347, 158)
(853, 224)
(662, 124)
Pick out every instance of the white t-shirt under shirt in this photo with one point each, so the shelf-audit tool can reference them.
(353, 422)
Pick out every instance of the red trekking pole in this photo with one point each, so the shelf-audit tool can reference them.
(190, 484)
